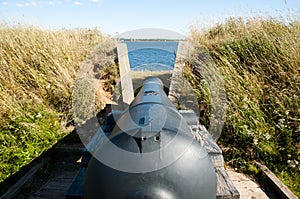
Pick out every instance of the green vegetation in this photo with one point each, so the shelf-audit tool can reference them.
(37, 71)
(259, 61)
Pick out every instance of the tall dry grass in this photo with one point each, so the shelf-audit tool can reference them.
(259, 61)
(38, 69)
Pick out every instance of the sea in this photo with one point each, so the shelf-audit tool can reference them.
(152, 55)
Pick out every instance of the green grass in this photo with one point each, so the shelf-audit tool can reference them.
(259, 61)
(38, 69)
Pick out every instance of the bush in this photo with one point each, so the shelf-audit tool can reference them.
(37, 71)
(259, 61)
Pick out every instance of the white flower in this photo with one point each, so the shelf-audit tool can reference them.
(249, 133)
(281, 120)
(267, 135)
(255, 141)
(292, 163)
(38, 115)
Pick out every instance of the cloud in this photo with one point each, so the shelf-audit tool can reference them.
(4, 3)
(27, 4)
(96, 2)
(77, 3)
(53, 3)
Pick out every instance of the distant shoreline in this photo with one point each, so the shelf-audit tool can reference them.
(149, 40)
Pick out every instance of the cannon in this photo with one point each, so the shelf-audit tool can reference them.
(148, 152)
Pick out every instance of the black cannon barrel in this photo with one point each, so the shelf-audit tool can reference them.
(152, 92)
(151, 153)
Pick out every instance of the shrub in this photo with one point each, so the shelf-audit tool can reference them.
(37, 72)
(259, 61)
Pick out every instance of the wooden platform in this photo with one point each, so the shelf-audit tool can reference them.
(69, 184)
(246, 186)
(225, 187)
(55, 187)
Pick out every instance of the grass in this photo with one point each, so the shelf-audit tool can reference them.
(259, 62)
(38, 69)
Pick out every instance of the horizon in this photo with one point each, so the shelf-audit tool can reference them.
(150, 34)
(117, 17)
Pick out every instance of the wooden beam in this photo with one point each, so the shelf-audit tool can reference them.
(16, 188)
(176, 85)
(282, 190)
(126, 81)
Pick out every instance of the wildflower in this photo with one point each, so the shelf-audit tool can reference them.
(38, 115)
(267, 135)
(249, 133)
(281, 120)
(255, 141)
(292, 163)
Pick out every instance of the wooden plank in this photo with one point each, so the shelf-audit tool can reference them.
(16, 188)
(225, 187)
(55, 187)
(246, 186)
(68, 149)
(282, 190)
(126, 81)
(177, 78)
(206, 140)
(217, 160)
(76, 190)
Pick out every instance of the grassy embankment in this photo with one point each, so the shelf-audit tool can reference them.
(259, 62)
(37, 71)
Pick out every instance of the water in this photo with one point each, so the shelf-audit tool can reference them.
(152, 56)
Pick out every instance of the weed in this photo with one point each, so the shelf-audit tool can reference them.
(37, 73)
(259, 61)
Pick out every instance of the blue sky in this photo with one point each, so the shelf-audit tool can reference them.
(112, 16)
